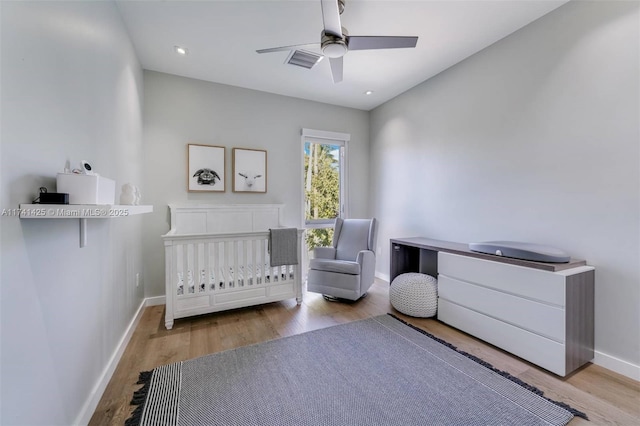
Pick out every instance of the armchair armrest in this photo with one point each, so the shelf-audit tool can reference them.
(367, 261)
(366, 257)
(324, 252)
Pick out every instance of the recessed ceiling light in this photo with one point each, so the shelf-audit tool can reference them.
(368, 92)
(181, 50)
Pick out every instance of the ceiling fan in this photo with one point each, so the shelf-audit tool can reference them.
(335, 41)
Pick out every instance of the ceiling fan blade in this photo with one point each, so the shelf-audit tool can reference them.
(336, 69)
(380, 42)
(331, 17)
(292, 47)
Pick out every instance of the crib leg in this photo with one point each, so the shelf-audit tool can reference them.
(168, 324)
(298, 279)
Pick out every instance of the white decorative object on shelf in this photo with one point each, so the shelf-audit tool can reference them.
(86, 189)
(136, 192)
(415, 294)
(128, 196)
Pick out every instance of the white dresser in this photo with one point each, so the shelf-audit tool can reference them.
(541, 312)
(542, 316)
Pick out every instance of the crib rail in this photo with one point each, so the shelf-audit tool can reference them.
(212, 272)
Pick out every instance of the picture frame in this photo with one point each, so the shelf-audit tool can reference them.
(206, 167)
(249, 167)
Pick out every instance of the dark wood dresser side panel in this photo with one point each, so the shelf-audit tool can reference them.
(580, 292)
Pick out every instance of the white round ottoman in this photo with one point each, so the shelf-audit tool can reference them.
(415, 294)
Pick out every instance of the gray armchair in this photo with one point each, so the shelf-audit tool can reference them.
(346, 270)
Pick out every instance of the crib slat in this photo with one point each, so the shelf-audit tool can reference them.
(236, 268)
(207, 271)
(233, 268)
(216, 265)
(254, 262)
(225, 267)
(176, 273)
(185, 268)
(260, 260)
(196, 267)
(245, 255)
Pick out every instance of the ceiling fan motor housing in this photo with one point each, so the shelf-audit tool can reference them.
(334, 46)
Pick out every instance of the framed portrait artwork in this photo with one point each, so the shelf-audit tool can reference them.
(249, 170)
(205, 168)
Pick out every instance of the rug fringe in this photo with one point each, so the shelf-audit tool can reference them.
(139, 398)
(505, 374)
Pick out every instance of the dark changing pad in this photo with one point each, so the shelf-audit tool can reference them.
(518, 250)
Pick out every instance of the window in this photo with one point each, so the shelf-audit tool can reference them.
(324, 183)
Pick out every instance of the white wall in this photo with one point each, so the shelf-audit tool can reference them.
(179, 111)
(71, 89)
(534, 139)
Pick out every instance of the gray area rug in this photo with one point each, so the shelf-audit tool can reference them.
(378, 371)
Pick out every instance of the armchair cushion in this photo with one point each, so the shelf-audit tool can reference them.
(353, 238)
(324, 252)
(339, 266)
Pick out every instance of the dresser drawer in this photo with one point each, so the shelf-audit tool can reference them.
(535, 284)
(539, 350)
(540, 318)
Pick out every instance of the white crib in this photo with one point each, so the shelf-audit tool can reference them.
(217, 258)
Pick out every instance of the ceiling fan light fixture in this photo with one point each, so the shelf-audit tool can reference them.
(333, 46)
(334, 50)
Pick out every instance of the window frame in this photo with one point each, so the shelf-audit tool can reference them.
(326, 138)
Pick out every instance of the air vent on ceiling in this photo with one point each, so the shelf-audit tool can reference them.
(304, 59)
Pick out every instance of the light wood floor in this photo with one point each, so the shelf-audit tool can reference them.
(608, 398)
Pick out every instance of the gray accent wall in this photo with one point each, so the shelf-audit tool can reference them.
(534, 139)
(179, 111)
(71, 89)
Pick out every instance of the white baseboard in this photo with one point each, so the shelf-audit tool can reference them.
(92, 401)
(383, 277)
(619, 366)
(154, 301)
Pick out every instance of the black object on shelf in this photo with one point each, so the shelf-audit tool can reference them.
(54, 198)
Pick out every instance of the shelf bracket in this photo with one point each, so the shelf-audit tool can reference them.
(83, 232)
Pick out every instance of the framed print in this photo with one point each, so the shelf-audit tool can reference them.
(249, 170)
(205, 168)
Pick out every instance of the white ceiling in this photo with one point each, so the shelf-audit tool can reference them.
(222, 38)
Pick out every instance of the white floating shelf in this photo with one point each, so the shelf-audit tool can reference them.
(80, 211)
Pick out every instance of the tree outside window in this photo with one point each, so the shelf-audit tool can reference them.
(322, 179)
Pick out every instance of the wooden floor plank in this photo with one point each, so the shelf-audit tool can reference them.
(608, 398)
